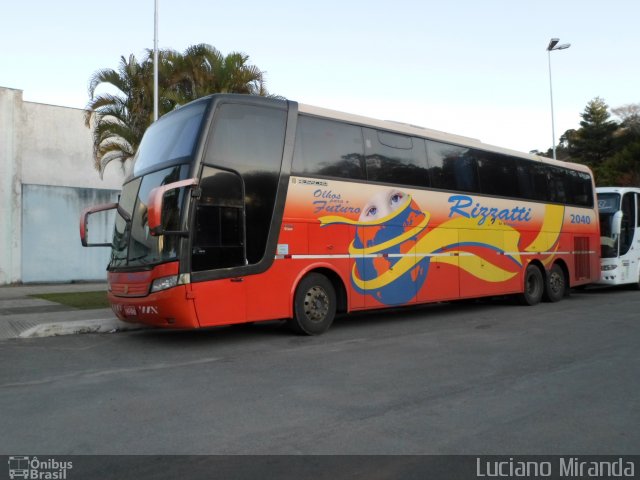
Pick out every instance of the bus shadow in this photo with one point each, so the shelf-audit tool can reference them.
(278, 329)
(226, 334)
(604, 289)
(430, 312)
(457, 310)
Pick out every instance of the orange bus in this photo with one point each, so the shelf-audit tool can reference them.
(243, 209)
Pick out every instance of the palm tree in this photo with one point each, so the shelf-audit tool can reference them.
(120, 119)
(203, 70)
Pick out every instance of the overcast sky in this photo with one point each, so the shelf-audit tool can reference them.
(474, 68)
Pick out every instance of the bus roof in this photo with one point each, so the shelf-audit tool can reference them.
(617, 189)
(431, 134)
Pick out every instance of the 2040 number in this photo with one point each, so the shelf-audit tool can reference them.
(581, 219)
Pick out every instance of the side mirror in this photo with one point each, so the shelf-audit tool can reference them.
(84, 223)
(616, 224)
(156, 201)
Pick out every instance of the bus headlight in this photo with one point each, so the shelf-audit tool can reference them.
(606, 268)
(164, 283)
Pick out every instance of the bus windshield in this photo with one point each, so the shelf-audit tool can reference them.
(608, 205)
(133, 245)
(168, 147)
(172, 139)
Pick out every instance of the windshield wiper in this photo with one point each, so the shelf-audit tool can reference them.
(143, 259)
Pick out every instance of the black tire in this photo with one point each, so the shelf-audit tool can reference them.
(555, 287)
(533, 286)
(314, 305)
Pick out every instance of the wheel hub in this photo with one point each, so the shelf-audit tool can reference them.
(316, 304)
(556, 282)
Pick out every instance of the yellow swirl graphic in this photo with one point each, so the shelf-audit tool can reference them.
(488, 251)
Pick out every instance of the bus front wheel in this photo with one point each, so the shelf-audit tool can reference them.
(533, 286)
(314, 305)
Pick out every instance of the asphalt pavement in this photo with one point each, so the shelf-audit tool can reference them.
(473, 378)
(23, 316)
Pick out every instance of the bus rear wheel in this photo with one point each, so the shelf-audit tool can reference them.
(556, 285)
(314, 305)
(533, 286)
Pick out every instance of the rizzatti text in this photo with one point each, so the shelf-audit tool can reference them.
(463, 205)
(566, 467)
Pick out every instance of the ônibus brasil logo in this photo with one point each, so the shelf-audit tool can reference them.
(35, 469)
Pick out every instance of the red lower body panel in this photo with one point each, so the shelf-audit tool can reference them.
(131, 301)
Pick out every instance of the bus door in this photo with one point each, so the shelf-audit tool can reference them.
(218, 246)
(628, 251)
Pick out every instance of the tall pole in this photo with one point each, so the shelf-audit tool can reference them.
(553, 45)
(553, 126)
(155, 62)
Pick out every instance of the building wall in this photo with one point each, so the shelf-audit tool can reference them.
(57, 149)
(10, 186)
(50, 241)
(46, 179)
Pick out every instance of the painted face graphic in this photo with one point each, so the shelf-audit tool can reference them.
(381, 205)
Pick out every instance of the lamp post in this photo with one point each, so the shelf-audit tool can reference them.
(553, 45)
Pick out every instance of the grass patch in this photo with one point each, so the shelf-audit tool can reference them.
(79, 300)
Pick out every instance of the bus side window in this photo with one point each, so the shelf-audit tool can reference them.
(327, 147)
(580, 188)
(541, 185)
(465, 168)
(395, 158)
(497, 173)
(526, 188)
(441, 158)
(557, 187)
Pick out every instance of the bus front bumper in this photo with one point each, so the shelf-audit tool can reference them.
(169, 308)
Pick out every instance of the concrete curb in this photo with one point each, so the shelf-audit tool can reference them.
(98, 325)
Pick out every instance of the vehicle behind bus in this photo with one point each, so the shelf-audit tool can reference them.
(619, 211)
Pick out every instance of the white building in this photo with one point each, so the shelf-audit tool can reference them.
(46, 179)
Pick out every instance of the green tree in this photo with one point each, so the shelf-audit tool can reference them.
(623, 167)
(610, 148)
(593, 142)
(630, 119)
(120, 116)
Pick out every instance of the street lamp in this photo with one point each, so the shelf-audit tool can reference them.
(553, 45)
